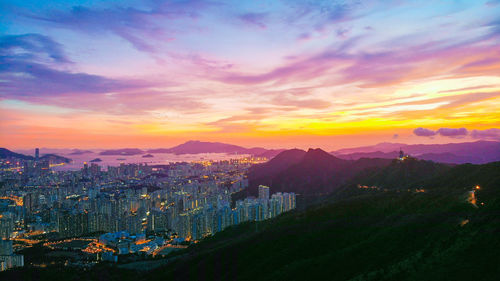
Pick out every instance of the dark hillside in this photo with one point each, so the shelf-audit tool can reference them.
(311, 173)
(370, 234)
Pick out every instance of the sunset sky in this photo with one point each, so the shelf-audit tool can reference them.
(331, 74)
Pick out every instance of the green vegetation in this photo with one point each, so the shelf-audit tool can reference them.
(409, 173)
(357, 234)
(370, 235)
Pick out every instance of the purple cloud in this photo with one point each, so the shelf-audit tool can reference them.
(31, 47)
(302, 69)
(38, 80)
(304, 36)
(27, 70)
(451, 132)
(256, 19)
(137, 26)
(492, 3)
(492, 133)
(422, 132)
(301, 103)
(326, 13)
(382, 68)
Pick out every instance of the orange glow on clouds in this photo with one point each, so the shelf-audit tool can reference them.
(327, 80)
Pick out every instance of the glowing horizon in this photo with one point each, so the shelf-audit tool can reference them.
(276, 74)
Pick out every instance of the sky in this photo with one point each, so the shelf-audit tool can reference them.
(330, 74)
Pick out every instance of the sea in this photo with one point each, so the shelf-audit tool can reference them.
(78, 160)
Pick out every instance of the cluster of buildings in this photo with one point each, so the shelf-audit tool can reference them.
(7, 257)
(204, 221)
(181, 201)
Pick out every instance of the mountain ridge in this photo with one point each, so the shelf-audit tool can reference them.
(311, 173)
(479, 152)
(198, 147)
(52, 158)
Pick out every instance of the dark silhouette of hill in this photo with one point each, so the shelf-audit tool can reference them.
(271, 153)
(313, 172)
(451, 158)
(52, 158)
(5, 154)
(376, 154)
(410, 172)
(279, 163)
(372, 234)
(445, 157)
(196, 147)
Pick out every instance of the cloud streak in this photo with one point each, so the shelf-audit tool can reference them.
(492, 133)
(139, 26)
(422, 132)
(255, 69)
(33, 46)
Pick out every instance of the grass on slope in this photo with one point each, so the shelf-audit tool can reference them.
(371, 235)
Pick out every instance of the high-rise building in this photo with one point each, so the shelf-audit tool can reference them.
(29, 203)
(6, 225)
(72, 223)
(85, 169)
(263, 192)
(94, 169)
(7, 257)
(5, 247)
(37, 154)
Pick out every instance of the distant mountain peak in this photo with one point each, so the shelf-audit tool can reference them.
(318, 154)
(5, 153)
(478, 152)
(196, 147)
(316, 151)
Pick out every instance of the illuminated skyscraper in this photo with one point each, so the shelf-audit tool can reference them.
(263, 192)
(6, 225)
(5, 247)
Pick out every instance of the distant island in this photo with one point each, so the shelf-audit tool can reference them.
(80, 152)
(55, 159)
(121, 159)
(123, 151)
(478, 152)
(96, 160)
(198, 147)
(148, 156)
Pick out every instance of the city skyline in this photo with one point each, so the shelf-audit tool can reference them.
(249, 140)
(275, 74)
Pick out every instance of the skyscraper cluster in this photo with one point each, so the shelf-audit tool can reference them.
(182, 201)
(200, 222)
(7, 257)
